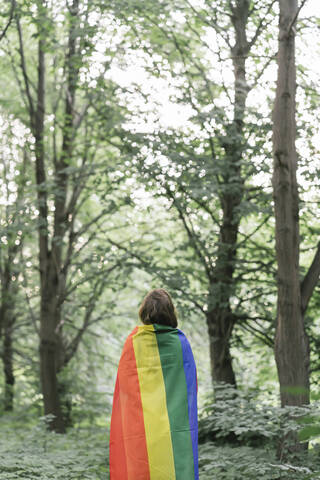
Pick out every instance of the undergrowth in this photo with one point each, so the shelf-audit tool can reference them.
(239, 440)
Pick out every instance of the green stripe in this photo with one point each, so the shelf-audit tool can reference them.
(171, 358)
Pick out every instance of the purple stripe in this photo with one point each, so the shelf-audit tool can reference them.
(191, 380)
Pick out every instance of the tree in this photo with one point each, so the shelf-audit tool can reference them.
(294, 293)
(208, 175)
(67, 158)
(12, 233)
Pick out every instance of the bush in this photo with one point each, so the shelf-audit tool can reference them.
(34, 453)
(28, 451)
(218, 462)
(239, 438)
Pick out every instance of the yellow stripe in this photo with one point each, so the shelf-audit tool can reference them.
(153, 397)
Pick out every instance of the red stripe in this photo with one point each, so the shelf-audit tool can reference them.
(132, 415)
(118, 464)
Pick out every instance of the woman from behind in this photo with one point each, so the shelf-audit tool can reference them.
(154, 424)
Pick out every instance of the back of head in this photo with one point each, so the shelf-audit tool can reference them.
(157, 307)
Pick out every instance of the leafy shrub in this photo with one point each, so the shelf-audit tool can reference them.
(28, 451)
(240, 437)
(236, 417)
(310, 428)
(34, 453)
(218, 462)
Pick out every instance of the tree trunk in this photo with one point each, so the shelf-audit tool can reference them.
(52, 353)
(291, 343)
(56, 238)
(8, 366)
(49, 339)
(50, 358)
(220, 320)
(7, 320)
(51, 345)
(220, 329)
(9, 278)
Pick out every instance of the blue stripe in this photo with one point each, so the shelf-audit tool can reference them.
(191, 380)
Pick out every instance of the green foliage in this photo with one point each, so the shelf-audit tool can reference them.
(28, 451)
(242, 436)
(33, 452)
(244, 463)
(236, 416)
(310, 428)
(134, 177)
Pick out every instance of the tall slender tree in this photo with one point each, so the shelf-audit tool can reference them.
(65, 162)
(294, 293)
(12, 233)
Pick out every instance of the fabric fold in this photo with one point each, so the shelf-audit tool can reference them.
(154, 427)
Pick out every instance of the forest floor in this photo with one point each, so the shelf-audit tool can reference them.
(28, 451)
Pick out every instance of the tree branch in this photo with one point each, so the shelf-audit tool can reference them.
(13, 6)
(310, 280)
(260, 334)
(25, 76)
(262, 25)
(255, 230)
(295, 17)
(147, 264)
(199, 202)
(191, 235)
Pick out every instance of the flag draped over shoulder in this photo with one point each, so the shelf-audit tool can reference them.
(154, 424)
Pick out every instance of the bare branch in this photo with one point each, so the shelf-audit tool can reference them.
(262, 25)
(148, 265)
(310, 280)
(25, 76)
(13, 6)
(25, 286)
(212, 23)
(74, 344)
(260, 334)
(191, 235)
(199, 202)
(255, 230)
(263, 69)
(16, 75)
(101, 273)
(295, 17)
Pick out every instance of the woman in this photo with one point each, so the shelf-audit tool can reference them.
(154, 424)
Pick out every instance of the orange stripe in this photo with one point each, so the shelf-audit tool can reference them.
(132, 415)
(118, 464)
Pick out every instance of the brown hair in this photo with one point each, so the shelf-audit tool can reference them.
(157, 307)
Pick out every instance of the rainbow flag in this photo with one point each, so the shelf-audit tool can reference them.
(154, 423)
